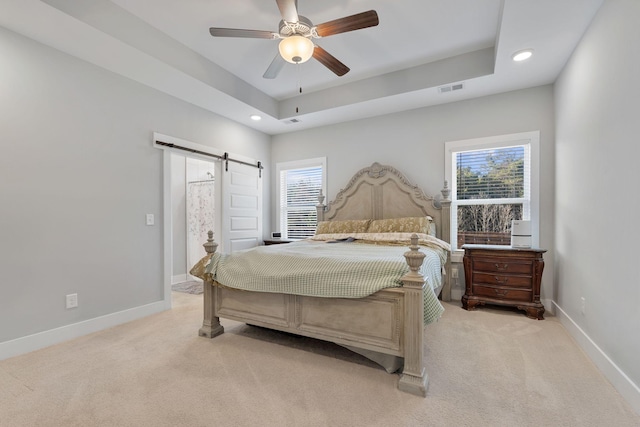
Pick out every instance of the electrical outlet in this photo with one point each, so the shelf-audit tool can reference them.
(72, 300)
(454, 273)
(583, 303)
(150, 219)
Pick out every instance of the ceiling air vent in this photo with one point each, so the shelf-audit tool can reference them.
(451, 88)
(292, 121)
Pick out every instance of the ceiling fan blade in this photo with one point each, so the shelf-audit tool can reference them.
(330, 61)
(288, 10)
(237, 32)
(348, 23)
(275, 67)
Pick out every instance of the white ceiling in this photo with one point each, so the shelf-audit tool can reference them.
(398, 65)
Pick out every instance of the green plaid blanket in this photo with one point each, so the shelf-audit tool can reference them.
(328, 270)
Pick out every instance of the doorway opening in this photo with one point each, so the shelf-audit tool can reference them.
(194, 212)
(200, 208)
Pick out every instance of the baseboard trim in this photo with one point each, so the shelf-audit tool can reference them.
(549, 306)
(620, 381)
(179, 278)
(43, 339)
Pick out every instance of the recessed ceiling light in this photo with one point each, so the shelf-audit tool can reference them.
(521, 55)
(255, 117)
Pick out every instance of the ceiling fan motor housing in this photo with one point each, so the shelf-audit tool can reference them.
(302, 27)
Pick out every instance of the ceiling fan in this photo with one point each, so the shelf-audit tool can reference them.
(295, 34)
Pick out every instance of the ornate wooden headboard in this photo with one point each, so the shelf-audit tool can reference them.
(380, 192)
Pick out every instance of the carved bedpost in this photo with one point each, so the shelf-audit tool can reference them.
(320, 207)
(414, 378)
(445, 204)
(211, 326)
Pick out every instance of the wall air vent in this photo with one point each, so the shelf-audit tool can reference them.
(291, 121)
(451, 88)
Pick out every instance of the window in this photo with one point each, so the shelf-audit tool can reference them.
(494, 181)
(299, 183)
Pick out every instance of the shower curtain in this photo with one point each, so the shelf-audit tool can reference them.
(200, 218)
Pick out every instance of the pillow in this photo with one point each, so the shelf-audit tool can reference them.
(414, 224)
(432, 229)
(341, 227)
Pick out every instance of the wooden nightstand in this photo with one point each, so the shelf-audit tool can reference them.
(503, 275)
(276, 241)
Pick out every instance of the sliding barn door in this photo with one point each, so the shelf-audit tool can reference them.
(241, 207)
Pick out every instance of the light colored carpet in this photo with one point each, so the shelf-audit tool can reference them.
(190, 287)
(487, 368)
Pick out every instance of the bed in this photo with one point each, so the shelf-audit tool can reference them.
(387, 325)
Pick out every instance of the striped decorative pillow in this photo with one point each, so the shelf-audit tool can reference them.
(341, 227)
(416, 224)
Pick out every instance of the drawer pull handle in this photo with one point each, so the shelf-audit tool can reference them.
(501, 292)
(502, 281)
(501, 267)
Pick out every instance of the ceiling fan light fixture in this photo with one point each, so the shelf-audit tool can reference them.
(296, 49)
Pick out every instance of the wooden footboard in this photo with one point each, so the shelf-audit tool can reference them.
(390, 321)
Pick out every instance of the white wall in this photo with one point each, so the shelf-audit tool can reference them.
(597, 201)
(78, 174)
(413, 142)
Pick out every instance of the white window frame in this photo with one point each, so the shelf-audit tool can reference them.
(499, 141)
(297, 164)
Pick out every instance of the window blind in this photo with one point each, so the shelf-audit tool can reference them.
(492, 174)
(299, 189)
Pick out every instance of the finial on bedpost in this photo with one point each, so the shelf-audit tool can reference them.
(210, 246)
(414, 258)
(446, 191)
(211, 326)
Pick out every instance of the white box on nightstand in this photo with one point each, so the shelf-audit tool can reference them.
(520, 233)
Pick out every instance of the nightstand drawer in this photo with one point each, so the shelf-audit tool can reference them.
(502, 293)
(502, 266)
(510, 281)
